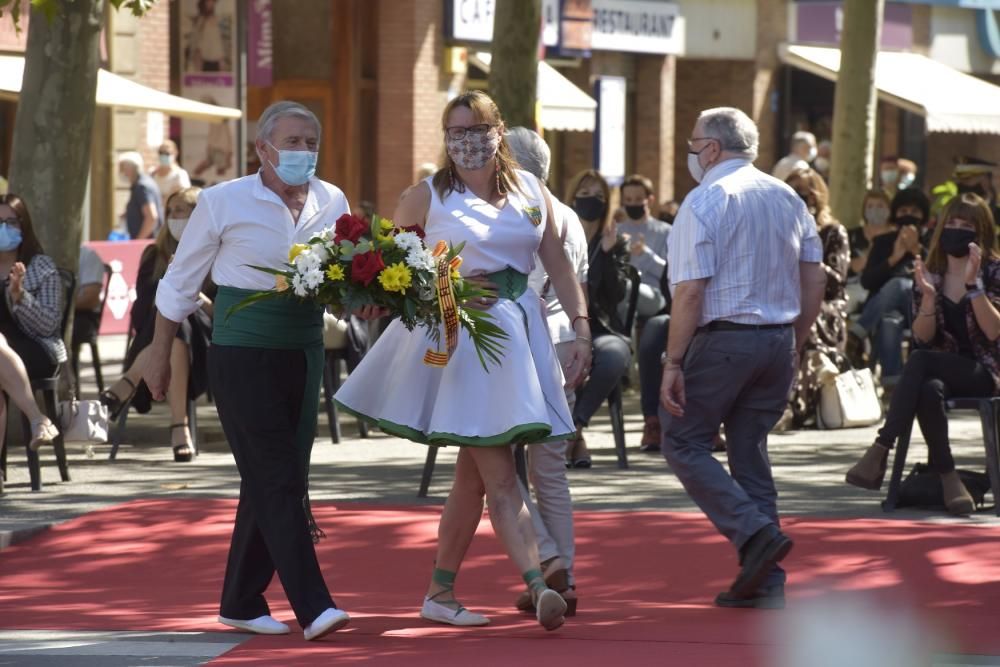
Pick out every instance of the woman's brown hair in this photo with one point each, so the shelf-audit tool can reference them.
(592, 174)
(485, 110)
(972, 208)
(29, 242)
(165, 244)
(820, 193)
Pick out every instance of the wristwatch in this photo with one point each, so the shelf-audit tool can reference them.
(665, 360)
(978, 285)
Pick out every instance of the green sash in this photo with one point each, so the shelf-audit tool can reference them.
(279, 324)
(511, 284)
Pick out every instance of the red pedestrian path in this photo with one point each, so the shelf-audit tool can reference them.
(646, 583)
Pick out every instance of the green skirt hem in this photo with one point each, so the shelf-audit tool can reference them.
(523, 434)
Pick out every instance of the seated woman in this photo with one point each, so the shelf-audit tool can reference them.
(888, 277)
(188, 376)
(606, 290)
(828, 336)
(956, 326)
(31, 313)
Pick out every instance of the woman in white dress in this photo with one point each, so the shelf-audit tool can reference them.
(501, 214)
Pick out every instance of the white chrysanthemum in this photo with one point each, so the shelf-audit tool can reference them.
(307, 260)
(327, 234)
(320, 252)
(408, 241)
(420, 259)
(313, 278)
(298, 285)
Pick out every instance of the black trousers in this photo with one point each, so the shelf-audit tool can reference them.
(930, 378)
(259, 396)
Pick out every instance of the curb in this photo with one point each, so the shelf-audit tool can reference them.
(12, 536)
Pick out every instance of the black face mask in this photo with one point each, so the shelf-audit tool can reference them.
(955, 242)
(636, 211)
(667, 218)
(909, 220)
(589, 208)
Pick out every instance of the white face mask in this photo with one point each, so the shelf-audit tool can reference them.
(695, 168)
(176, 227)
(876, 215)
(812, 154)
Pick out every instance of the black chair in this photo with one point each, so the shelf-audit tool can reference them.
(49, 387)
(91, 339)
(989, 412)
(334, 361)
(615, 409)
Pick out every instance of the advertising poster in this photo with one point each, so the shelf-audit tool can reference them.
(208, 57)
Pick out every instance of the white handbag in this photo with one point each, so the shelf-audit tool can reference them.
(848, 400)
(83, 421)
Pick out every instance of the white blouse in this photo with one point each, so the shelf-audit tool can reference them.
(236, 225)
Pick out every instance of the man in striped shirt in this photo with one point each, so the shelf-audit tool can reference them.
(747, 283)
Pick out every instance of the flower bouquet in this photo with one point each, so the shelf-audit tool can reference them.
(358, 264)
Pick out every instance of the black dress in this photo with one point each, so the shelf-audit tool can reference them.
(195, 331)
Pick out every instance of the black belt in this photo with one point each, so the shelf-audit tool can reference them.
(723, 325)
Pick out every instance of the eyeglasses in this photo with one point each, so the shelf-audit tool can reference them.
(691, 141)
(459, 132)
(14, 222)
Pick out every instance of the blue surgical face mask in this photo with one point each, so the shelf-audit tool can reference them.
(10, 237)
(294, 167)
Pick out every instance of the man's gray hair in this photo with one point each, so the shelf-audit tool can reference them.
(734, 129)
(804, 137)
(530, 151)
(133, 158)
(284, 109)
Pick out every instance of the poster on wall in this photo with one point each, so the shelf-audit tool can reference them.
(208, 59)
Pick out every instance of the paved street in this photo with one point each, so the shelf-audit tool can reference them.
(809, 466)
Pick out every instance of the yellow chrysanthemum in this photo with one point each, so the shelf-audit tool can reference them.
(395, 278)
(297, 250)
(335, 272)
(385, 224)
(280, 283)
(455, 276)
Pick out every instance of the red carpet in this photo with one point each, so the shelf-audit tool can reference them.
(646, 583)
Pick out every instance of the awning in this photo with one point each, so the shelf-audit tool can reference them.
(950, 100)
(119, 92)
(563, 106)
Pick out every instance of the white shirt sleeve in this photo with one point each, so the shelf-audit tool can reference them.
(177, 293)
(691, 251)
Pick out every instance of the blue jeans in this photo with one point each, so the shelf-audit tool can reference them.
(651, 345)
(885, 317)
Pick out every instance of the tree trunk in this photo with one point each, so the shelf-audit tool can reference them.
(55, 117)
(854, 108)
(514, 68)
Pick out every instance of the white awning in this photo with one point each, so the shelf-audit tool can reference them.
(119, 92)
(950, 100)
(562, 106)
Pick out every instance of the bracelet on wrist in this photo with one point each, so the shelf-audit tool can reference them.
(572, 322)
(972, 294)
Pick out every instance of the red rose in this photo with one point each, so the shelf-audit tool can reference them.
(416, 229)
(365, 267)
(349, 228)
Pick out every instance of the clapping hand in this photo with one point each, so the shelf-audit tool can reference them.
(909, 238)
(637, 246)
(973, 264)
(922, 279)
(609, 236)
(16, 282)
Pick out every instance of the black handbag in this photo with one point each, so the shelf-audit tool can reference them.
(922, 488)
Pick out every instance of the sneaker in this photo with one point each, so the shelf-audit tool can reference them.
(439, 613)
(329, 621)
(262, 625)
(771, 597)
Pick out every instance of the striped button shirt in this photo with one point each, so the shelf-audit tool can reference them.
(746, 232)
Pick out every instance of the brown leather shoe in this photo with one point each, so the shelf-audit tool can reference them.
(869, 472)
(651, 435)
(957, 499)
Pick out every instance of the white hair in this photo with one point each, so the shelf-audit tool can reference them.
(735, 131)
(804, 137)
(284, 109)
(530, 151)
(132, 158)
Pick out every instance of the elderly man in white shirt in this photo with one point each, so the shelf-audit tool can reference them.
(747, 280)
(265, 365)
(552, 508)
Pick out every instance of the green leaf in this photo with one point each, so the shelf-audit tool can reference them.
(252, 299)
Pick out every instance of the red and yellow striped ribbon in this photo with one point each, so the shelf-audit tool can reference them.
(448, 305)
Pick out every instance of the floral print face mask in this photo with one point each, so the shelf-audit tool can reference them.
(473, 150)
